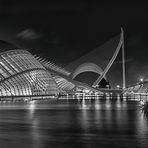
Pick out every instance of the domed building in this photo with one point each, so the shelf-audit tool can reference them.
(21, 74)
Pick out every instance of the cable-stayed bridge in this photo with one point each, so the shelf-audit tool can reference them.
(90, 62)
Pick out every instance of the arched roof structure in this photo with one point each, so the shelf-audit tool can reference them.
(22, 75)
(63, 84)
(87, 67)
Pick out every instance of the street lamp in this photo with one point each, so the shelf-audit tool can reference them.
(107, 86)
(118, 86)
(141, 79)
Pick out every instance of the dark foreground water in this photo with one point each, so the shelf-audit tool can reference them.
(73, 124)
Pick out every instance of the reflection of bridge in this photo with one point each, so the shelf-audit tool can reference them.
(22, 74)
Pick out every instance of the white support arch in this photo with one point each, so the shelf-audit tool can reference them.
(87, 67)
(120, 44)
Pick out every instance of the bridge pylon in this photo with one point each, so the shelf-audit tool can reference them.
(120, 46)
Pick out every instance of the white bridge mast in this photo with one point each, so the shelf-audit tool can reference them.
(120, 45)
(123, 60)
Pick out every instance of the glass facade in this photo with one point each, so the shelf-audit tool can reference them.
(63, 84)
(22, 75)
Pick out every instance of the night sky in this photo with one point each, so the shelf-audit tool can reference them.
(62, 31)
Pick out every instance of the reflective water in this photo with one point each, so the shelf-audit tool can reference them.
(71, 124)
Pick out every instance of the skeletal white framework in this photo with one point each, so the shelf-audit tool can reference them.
(22, 75)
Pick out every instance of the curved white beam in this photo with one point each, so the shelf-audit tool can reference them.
(111, 61)
(85, 67)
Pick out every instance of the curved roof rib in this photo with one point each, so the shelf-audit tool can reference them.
(85, 67)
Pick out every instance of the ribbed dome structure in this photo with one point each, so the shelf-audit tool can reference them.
(22, 75)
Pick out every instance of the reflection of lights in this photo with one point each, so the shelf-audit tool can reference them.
(118, 104)
(107, 105)
(124, 99)
(31, 107)
(124, 104)
(97, 105)
(107, 96)
(84, 121)
(84, 105)
(141, 128)
(118, 96)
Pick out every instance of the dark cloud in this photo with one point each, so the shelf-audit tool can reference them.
(29, 34)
